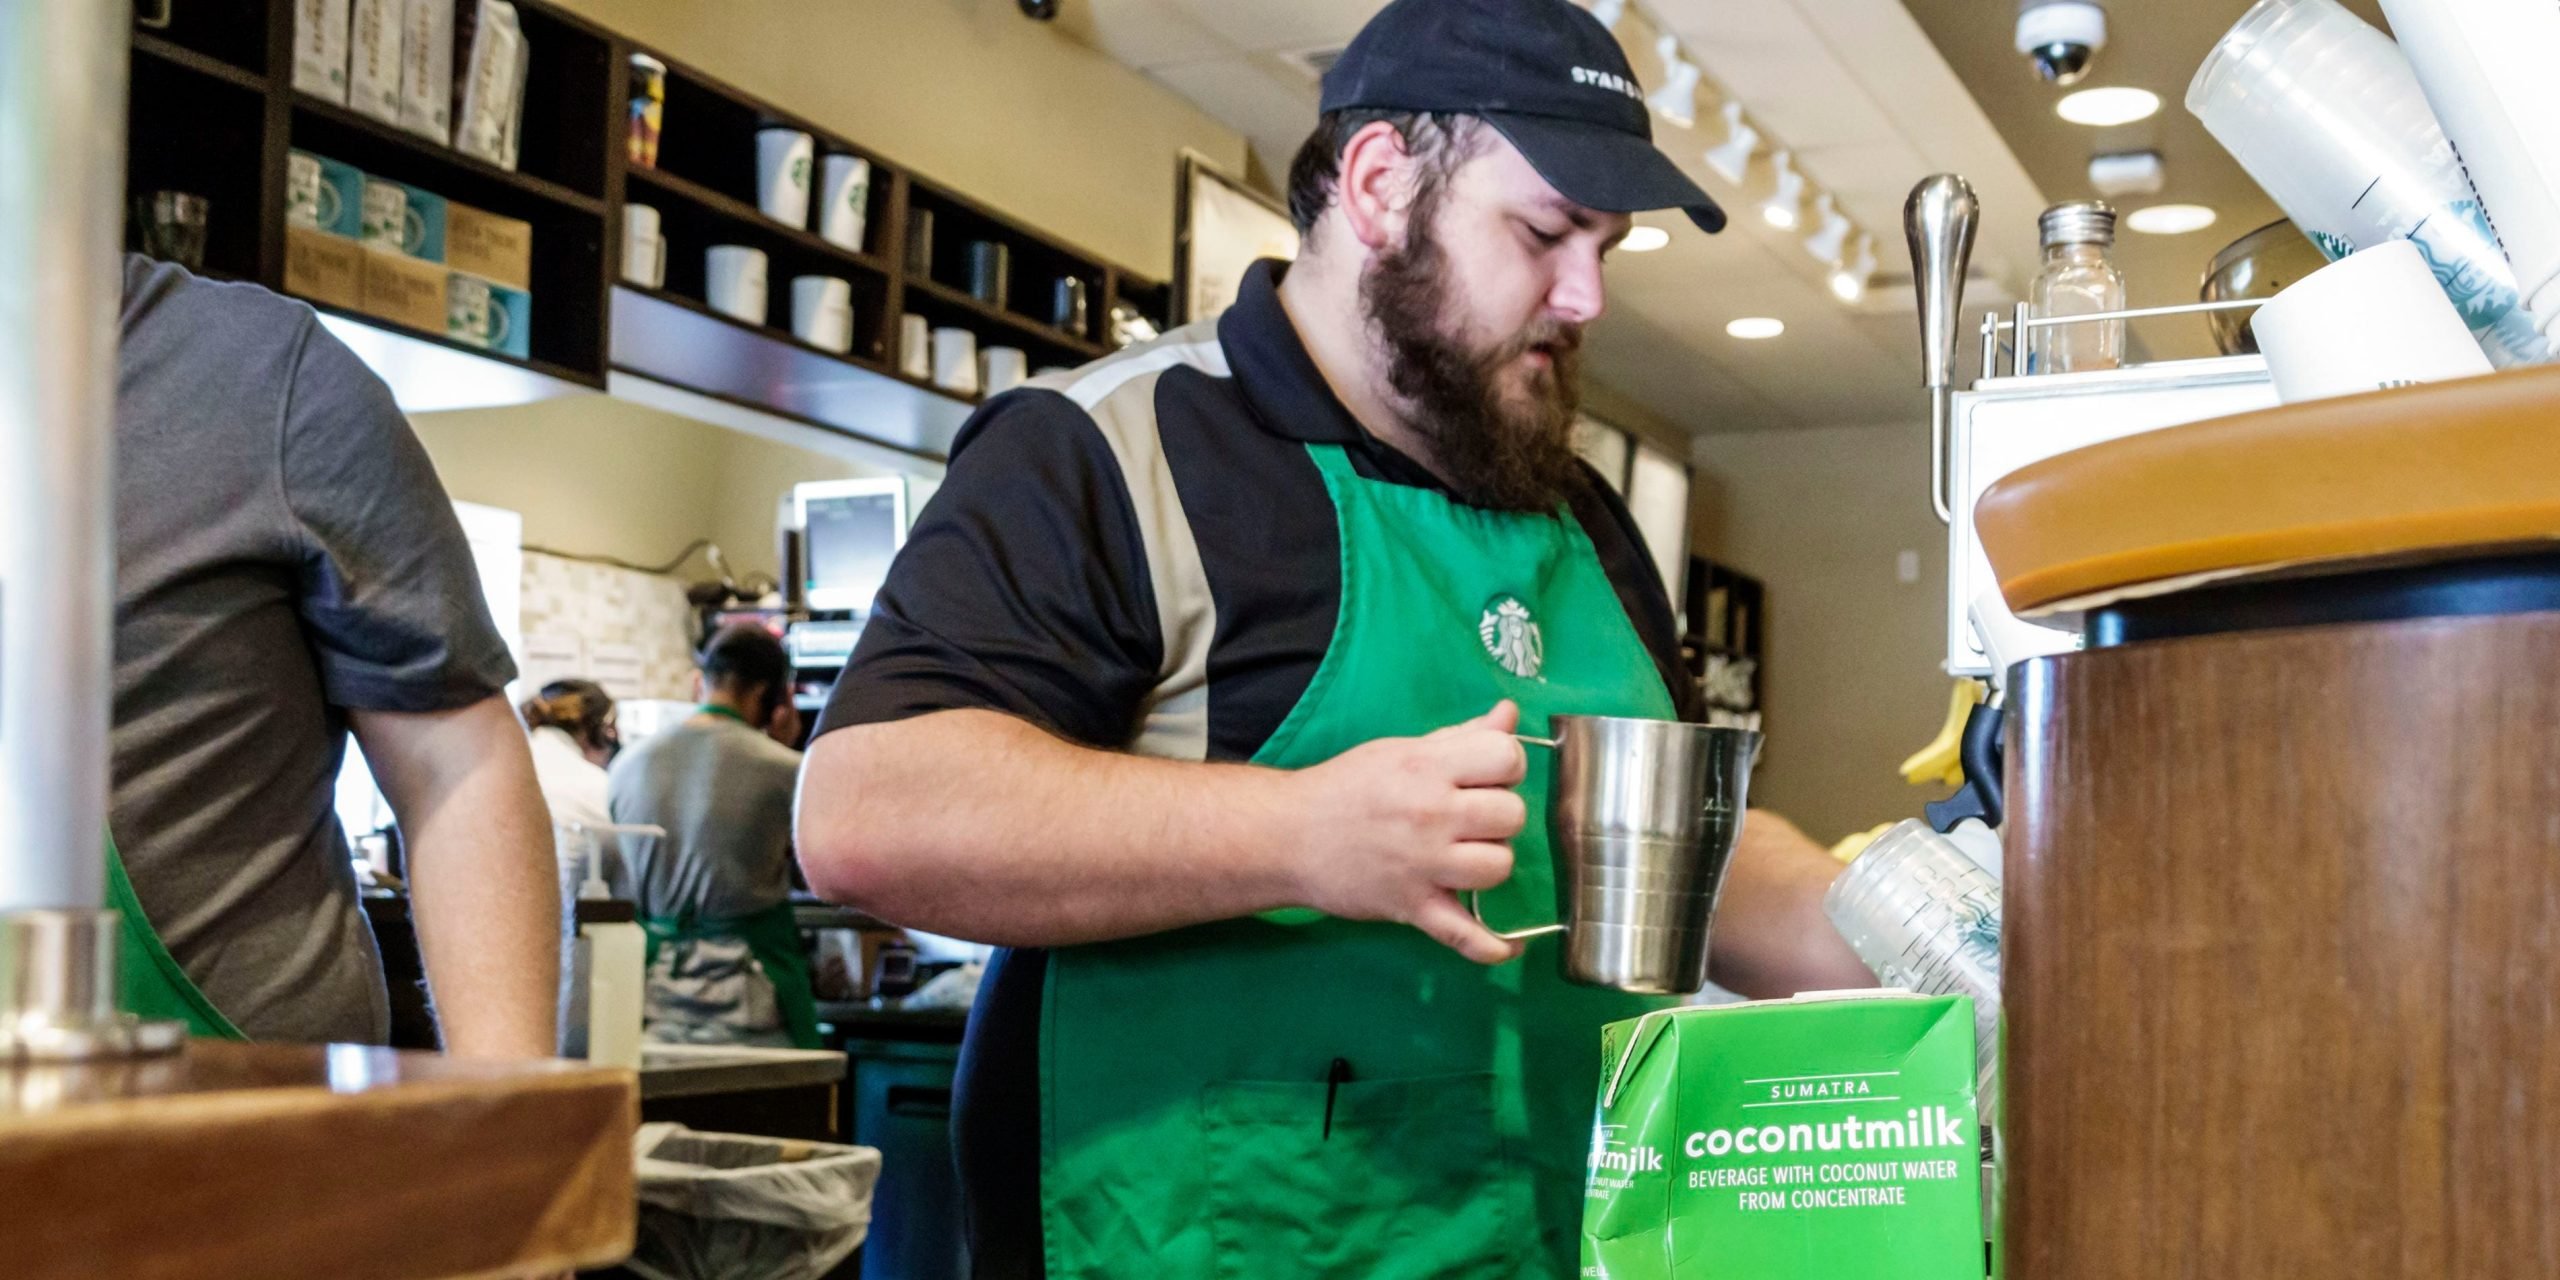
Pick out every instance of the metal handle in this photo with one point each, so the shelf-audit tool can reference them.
(1476, 908)
(1938, 223)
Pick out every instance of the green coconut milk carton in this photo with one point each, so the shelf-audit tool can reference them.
(1829, 1137)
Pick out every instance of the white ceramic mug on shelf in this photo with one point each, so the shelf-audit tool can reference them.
(1002, 369)
(955, 360)
(822, 312)
(844, 200)
(644, 249)
(783, 160)
(735, 282)
(915, 346)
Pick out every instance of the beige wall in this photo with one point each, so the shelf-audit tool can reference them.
(968, 93)
(597, 476)
(1852, 684)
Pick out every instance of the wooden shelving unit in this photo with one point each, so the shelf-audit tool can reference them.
(1727, 621)
(322, 126)
(179, 55)
(214, 112)
(930, 297)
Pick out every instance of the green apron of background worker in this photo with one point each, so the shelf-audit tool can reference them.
(726, 962)
(1295, 1095)
(771, 936)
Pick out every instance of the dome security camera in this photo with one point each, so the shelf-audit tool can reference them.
(1039, 10)
(2061, 36)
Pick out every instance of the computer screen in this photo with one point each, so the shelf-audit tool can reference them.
(851, 530)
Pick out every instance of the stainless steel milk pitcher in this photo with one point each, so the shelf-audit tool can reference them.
(1641, 821)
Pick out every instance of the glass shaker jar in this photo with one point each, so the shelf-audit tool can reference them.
(2077, 279)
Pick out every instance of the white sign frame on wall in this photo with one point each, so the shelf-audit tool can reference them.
(1220, 228)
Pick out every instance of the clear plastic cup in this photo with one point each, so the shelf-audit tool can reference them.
(1925, 916)
(2325, 113)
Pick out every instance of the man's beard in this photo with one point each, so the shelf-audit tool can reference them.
(1498, 449)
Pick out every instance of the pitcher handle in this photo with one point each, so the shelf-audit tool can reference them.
(1475, 906)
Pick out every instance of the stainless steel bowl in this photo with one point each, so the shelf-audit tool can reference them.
(2257, 265)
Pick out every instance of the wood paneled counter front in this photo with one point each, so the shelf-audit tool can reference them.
(2283, 915)
(290, 1161)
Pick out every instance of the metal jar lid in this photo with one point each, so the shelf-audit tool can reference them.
(2078, 222)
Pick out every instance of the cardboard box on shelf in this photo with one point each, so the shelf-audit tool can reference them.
(426, 69)
(373, 61)
(320, 267)
(496, 249)
(1829, 1137)
(322, 194)
(320, 49)
(517, 306)
(489, 316)
(403, 290)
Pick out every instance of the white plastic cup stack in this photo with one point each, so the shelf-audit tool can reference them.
(2486, 66)
(2324, 112)
(1925, 917)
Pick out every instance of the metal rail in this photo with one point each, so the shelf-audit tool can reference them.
(1993, 325)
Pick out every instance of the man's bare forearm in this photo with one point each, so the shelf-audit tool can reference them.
(982, 826)
(1772, 938)
(483, 879)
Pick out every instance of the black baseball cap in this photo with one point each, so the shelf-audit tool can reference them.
(1545, 73)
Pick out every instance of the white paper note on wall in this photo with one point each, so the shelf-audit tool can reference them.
(552, 655)
(622, 669)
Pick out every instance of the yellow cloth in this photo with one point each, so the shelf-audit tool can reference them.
(1939, 762)
(1851, 846)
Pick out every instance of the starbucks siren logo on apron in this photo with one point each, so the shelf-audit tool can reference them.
(1511, 636)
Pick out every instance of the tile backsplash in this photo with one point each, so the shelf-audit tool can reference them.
(629, 631)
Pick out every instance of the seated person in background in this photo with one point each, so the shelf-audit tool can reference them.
(571, 727)
(726, 964)
(287, 569)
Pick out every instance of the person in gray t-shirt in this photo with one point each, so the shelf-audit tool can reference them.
(726, 963)
(288, 568)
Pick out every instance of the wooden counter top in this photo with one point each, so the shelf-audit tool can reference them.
(290, 1161)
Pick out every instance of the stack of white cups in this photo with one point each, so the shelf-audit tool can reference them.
(2488, 69)
(2324, 112)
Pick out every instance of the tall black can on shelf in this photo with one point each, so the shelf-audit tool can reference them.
(990, 265)
(1068, 305)
(920, 243)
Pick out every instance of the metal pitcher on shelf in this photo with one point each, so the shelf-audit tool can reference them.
(1642, 816)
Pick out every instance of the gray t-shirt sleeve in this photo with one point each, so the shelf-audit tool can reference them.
(389, 595)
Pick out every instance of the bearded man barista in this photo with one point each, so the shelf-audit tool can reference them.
(1194, 688)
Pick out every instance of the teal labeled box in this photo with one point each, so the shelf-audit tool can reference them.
(1828, 1137)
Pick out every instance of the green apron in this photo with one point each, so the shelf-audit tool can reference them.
(1300, 1095)
(149, 981)
(772, 936)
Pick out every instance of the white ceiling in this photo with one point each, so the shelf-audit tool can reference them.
(1854, 87)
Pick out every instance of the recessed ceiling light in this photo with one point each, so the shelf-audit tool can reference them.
(2170, 219)
(1754, 328)
(2114, 105)
(1644, 239)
